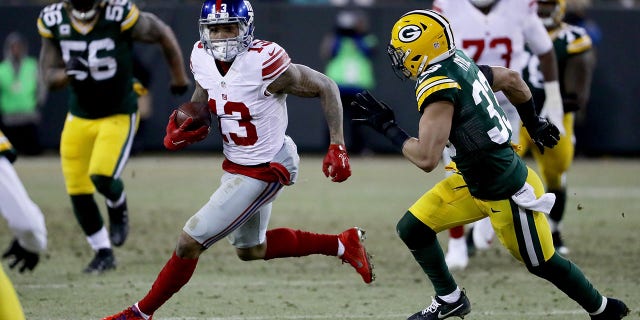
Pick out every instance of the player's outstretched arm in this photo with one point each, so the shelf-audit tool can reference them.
(151, 29)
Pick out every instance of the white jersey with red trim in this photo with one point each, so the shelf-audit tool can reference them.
(252, 121)
(498, 38)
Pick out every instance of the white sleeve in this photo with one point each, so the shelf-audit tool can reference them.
(536, 35)
(23, 216)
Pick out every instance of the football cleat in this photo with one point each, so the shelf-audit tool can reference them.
(118, 224)
(442, 310)
(558, 243)
(104, 260)
(456, 257)
(614, 310)
(355, 253)
(131, 313)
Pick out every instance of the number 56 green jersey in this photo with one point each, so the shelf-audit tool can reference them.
(106, 44)
(480, 131)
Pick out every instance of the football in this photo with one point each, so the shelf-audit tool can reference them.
(199, 111)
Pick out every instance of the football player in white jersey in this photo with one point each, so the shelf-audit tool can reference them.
(26, 222)
(495, 32)
(245, 82)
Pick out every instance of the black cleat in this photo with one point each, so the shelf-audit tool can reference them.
(441, 310)
(118, 224)
(614, 310)
(104, 260)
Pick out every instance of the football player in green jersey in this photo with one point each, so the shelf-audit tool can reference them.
(457, 104)
(87, 44)
(576, 62)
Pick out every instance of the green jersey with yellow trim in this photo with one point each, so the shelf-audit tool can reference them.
(106, 44)
(568, 41)
(6, 149)
(480, 131)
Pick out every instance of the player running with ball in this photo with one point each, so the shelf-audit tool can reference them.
(246, 82)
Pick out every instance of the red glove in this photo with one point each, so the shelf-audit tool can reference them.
(336, 163)
(178, 137)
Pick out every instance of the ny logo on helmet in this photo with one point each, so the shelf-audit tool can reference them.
(409, 33)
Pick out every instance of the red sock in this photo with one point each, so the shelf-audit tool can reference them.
(285, 242)
(456, 232)
(175, 274)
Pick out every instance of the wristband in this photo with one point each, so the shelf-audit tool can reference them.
(527, 111)
(397, 136)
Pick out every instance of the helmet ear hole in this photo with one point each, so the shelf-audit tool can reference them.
(416, 58)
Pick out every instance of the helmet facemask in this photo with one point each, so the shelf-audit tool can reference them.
(227, 49)
(398, 63)
(551, 12)
(84, 10)
(482, 3)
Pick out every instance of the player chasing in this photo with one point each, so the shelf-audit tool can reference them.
(245, 82)
(457, 104)
(87, 44)
(497, 33)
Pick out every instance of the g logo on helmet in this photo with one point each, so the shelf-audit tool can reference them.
(409, 33)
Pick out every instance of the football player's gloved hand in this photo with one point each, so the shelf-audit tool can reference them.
(372, 112)
(178, 90)
(543, 133)
(77, 68)
(20, 255)
(378, 115)
(336, 163)
(178, 137)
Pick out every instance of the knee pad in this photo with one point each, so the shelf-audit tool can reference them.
(109, 187)
(414, 233)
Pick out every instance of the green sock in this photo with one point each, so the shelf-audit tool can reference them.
(565, 275)
(423, 244)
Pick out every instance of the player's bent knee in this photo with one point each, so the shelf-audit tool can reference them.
(188, 248)
(414, 233)
(102, 183)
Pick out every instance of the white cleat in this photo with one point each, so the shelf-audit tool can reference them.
(457, 257)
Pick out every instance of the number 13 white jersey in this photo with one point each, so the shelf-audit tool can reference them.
(498, 38)
(252, 121)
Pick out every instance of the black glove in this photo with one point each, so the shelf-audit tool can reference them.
(29, 259)
(378, 115)
(78, 68)
(543, 133)
(178, 90)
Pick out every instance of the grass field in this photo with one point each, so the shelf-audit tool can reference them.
(601, 229)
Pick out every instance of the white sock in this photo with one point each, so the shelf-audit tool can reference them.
(99, 240)
(452, 297)
(340, 248)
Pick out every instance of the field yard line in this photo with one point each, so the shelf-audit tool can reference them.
(604, 192)
(390, 316)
